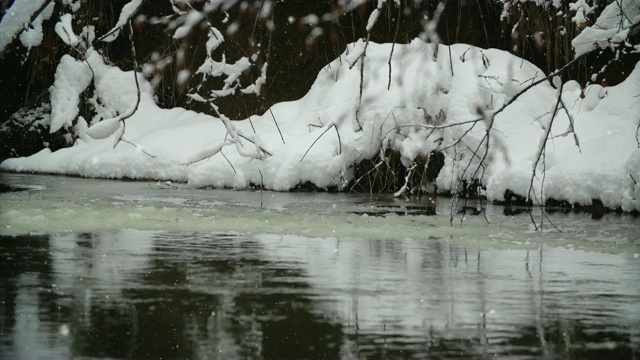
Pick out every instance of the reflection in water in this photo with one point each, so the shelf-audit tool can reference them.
(151, 295)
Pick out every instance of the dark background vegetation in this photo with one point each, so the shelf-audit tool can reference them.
(294, 57)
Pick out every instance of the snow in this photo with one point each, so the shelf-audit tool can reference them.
(30, 118)
(112, 93)
(372, 19)
(355, 52)
(192, 19)
(125, 15)
(232, 71)
(311, 19)
(582, 9)
(17, 19)
(74, 5)
(33, 36)
(255, 88)
(601, 170)
(71, 79)
(611, 28)
(401, 119)
(64, 29)
(426, 108)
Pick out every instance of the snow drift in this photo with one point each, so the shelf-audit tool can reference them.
(431, 98)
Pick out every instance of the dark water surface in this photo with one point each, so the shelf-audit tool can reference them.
(296, 293)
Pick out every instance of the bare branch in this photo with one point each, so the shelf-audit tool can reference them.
(395, 36)
(571, 123)
(367, 173)
(535, 83)
(543, 145)
(135, 77)
(274, 120)
(405, 187)
(230, 164)
(434, 127)
(138, 147)
(318, 138)
(254, 143)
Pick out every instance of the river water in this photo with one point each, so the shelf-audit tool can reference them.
(98, 269)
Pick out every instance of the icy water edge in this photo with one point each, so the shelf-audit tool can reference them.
(95, 269)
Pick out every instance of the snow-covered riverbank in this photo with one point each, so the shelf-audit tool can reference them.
(440, 99)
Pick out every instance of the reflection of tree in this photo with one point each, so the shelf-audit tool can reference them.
(107, 334)
(538, 330)
(20, 256)
(217, 297)
(289, 326)
(572, 340)
(223, 296)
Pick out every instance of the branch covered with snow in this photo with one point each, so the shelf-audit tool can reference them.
(18, 18)
(612, 28)
(125, 15)
(71, 79)
(33, 35)
(64, 29)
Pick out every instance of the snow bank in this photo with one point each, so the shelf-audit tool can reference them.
(607, 167)
(435, 98)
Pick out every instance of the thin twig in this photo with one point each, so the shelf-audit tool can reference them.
(274, 120)
(318, 138)
(544, 145)
(487, 134)
(135, 77)
(535, 225)
(544, 213)
(407, 178)
(534, 83)
(367, 173)
(433, 127)
(571, 124)
(226, 158)
(258, 146)
(339, 140)
(261, 187)
(138, 147)
(255, 23)
(364, 54)
(480, 164)
(395, 36)
(450, 60)
(544, 177)
(543, 153)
